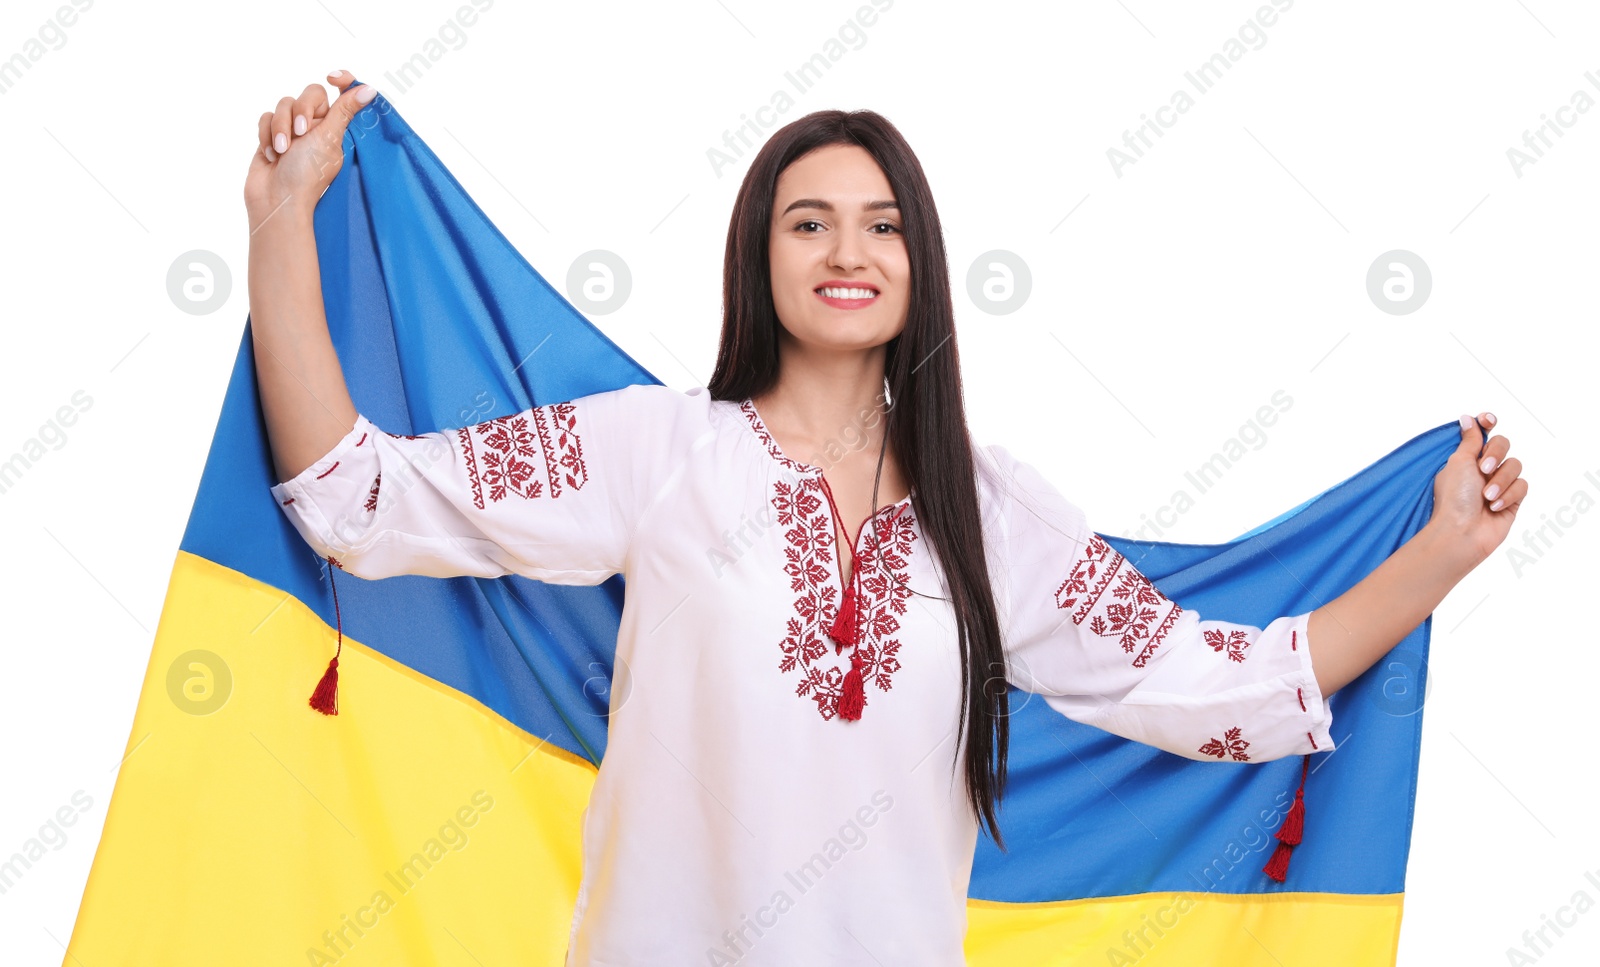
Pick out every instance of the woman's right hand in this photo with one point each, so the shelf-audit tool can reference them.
(300, 148)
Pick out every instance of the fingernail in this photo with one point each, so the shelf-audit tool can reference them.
(336, 74)
(280, 142)
(1490, 418)
(366, 93)
(271, 154)
(1488, 464)
(299, 124)
(1492, 492)
(1497, 505)
(1466, 422)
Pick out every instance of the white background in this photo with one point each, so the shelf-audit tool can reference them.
(1227, 264)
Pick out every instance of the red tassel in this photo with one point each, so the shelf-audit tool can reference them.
(1293, 828)
(852, 695)
(1278, 866)
(843, 630)
(325, 698)
(1294, 823)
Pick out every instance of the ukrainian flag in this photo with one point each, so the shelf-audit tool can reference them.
(435, 818)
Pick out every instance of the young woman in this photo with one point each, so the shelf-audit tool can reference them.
(829, 584)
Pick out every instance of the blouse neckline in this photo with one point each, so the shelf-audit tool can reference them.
(759, 427)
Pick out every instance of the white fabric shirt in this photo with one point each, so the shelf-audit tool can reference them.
(736, 817)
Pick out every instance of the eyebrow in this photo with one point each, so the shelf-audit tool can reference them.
(870, 206)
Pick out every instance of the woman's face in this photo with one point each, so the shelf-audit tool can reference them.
(836, 226)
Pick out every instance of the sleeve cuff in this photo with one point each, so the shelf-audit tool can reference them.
(1310, 693)
(302, 496)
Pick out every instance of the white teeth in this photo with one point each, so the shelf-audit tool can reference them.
(833, 293)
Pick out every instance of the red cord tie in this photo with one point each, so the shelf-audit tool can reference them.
(846, 626)
(1292, 830)
(326, 698)
(846, 630)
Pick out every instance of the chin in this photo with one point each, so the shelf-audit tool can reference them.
(845, 342)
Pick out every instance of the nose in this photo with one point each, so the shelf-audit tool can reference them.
(847, 252)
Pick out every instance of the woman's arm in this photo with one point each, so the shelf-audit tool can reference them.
(1351, 632)
(1085, 629)
(304, 399)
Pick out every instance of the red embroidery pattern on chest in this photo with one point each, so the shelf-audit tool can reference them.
(1230, 744)
(508, 456)
(1111, 597)
(881, 593)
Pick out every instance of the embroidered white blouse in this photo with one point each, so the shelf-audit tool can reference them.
(766, 827)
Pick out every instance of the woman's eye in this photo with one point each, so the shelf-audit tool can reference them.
(801, 227)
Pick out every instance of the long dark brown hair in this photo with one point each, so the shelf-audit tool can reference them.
(926, 420)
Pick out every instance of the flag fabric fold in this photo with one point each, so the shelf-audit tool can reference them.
(435, 819)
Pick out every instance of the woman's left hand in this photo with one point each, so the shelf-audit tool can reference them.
(1477, 494)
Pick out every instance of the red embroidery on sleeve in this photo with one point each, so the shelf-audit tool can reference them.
(1292, 636)
(1230, 744)
(372, 495)
(362, 440)
(563, 450)
(1134, 612)
(1233, 642)
(1314, 739)
(1301, 697)
(288, 502)
(517, 459)
(327, 471)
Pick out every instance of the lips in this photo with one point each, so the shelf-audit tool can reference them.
(845, 284)
(847, 296)
(846, 293)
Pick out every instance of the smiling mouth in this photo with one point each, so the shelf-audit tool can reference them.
(847, 293)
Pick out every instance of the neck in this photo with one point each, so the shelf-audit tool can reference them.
(835, 410)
